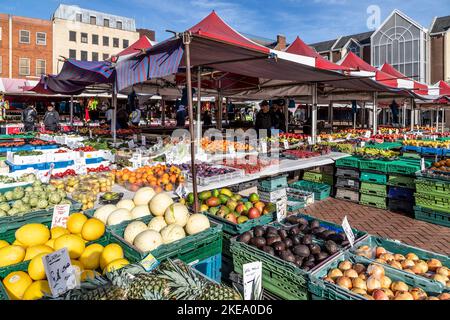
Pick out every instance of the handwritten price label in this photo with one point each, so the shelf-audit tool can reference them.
(60, 215)
(61, 275)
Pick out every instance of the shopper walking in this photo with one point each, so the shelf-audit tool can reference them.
(51, 119)
(29, 117)
(122, 118)
(181, 116)
(263, 118)
(109, 115)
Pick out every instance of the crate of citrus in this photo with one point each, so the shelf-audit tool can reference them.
(159, 177)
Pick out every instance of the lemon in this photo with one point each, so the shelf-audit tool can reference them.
(75, 222)
(57, 232)
(33, 234)
(36, 269)
(74, 244)
(116, 265)
(35, 250)
(110, 253)
(11, 255)
(3, 244)
(90, 258)
(16, 283)
(36, 290)
(93, 229)
(88, 274)
(50, 243)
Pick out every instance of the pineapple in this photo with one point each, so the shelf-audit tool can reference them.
(213, 291)
(144, 285)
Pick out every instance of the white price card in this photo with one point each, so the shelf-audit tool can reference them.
(319, 139)
(263, 146)
(60, 215)
(90, 134)
(45, 177)
(252, 280)
(351, 183)
(143, 140)
(135, 138)
(348, 231)
(349, 136)
(367, 134)
(149, 263)
(131, 144)
(309, 140)
(422, 164)
(405, 137)
(281, 209)
(231, 149)
(390, 131)
(363, 144)
(396, 131)
(61, 275)
(181, 191)
(286, 144)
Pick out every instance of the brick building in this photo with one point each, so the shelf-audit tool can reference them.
(26, 47)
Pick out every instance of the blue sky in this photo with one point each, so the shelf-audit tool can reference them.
(312, 20)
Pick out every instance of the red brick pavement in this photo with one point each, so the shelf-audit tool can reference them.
(384, 223)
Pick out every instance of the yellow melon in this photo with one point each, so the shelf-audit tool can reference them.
(33, 234)
(16, 283)
(57, 232)
(3, 244)
(35, 250)
(116, 265)
(75, 222)
(93, 229)
(110, 253)
(11, 255)
(36, 290)
(90, 258)
(50, 243)
(18, 243)
(74, 244)
(36, 269)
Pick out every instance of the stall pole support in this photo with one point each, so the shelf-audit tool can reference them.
(331, 115)
(199, 107)
(114, 118)
(71, 111)
(375, 113)
(187, 41)
(286, 114)
(412, 114)
(163, 112)
(404, 115)
(314, 114)
(443, 120)
(219, 110)
(437, 119)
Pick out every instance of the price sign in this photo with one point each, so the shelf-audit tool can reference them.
(348, 231)
(349, 136)
(80, 166)
(90, 134)
(263, 146)
(363, 144)
(252, 280)
(405, 137)
(135, 138)
(422, 164)
(60, 215)
(309, 140)
(390, 131)
(46, 176)
(231, 149)
(367, 134)
(181, 191)
(281, 209)
(396, 131)
(131, 144)
(319, 139)
(149, 263)
(351, 183)
(286, 144)
(143, 140)
(379, 131)
(61, 275)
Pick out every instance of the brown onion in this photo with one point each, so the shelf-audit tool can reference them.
(403, 295)
(388, 292)
(444, 296)
(379, 251)
(375, 270)
(344, 282)
(335, 273)
(359, 268)
(440, 278)
(418, 294)
(408, 263)
(433, 264)
(328, 279)
(379, 295)
(373, 284)
(385, 282)
(412, 256)
(399, 286)
(399, 257)
(358, 283)
(443, 271)
(387, 257)
(345, 265)
(368, 297)
(359, 291)
(351, 273)
(396, 265)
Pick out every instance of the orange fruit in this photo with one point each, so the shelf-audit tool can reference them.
(169, 187)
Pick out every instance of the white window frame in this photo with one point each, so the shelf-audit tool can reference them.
(45, 38)
(45, 67)
(118, 42)
(81, 37)
(80, 15)
(29, 66)
(20, 36)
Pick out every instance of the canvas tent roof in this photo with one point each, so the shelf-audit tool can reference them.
(419, 88)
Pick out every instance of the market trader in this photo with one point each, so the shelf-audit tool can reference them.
(51, 118)
(263, 118)
(29, 117)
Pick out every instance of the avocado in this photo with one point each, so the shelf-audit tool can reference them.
(272, 240)
(307, 239)
(268, 250)
(288, 242)
(331, 247)
(298, 261)
(314, 248)
(287, 256)
(321, 256)
(213, 210)
(279, 246)
(314, 224)
(258, 231)
(215, 193)
(301, 250)
(258, 242)
(245, 237)
(205, 195)
(271, 229)
(283, 234)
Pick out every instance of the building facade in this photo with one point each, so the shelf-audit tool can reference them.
(26, 47)
(89, 35)
(440, 49)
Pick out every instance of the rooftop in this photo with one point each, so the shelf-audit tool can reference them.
(441, 24)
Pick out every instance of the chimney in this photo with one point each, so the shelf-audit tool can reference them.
(281, 42)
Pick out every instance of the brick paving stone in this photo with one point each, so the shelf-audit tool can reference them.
(384, 223)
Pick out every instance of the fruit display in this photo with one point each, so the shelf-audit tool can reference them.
(100, 168)
(411, 263)
(442, 166)
(376, 154)
(427, 143)
(159, 177)
(223, 146)
(340, 147)
(86, 149)
(232, 207)
(171, 280)
(300, 154)
(12, 144)
(23, 200)
(206, 172)
(67, 173)
(38, 142)
(27, 177)
(252, 164)
(373, 282)
(27, 153)
(111, 197)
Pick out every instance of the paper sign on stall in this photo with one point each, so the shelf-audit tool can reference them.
(143, 140)
(45, 177)
(135, 138)
(252, 280)
(281, 209)
(90, 134)
(286, 144)
(61, 275)
(422, 164)
(60, 215)
(309, 140)
(405, 137)
(349, 136)
(348, 231)
(149, 263)
(181, 191)
(367, 134)
(264, 146)
(131, 144)
(80, 166)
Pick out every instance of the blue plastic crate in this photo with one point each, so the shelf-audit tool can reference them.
(432, 151)
(61, 164)
(404, 194)
(446, 152)
(47, 147)
(17, 167)
(17, 149)
(211, 267)
(412, 148)
(94, 160)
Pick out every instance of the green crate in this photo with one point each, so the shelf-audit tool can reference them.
(226, 238)
(373, 178)
(235, 228)
(373, 189)
(406, 166)
(434, 202)
(119, 228)
(6, 189)
(273, 184)
(401, 181)
(432, 186)
(318, 177)
(374, 165)
(195, 247)
(349, 162)
(293, 206)
(385, 145)
(321, 191)
(432, 216)
(396, 247)
(373, 201)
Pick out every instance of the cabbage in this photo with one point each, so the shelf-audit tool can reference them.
(13, 212)
(18, 190)
(38, 189)
(54, 198)
(26, 199)
(9, 195)
(3, 213)
(62, 194)
(65, 201)
(18, 195)
(25, 208)
(42, 204)
(34, 202)
(4, 206)
(43, 195)
(50, 188)
(29, 189)
(37, 183)
(29, 178)
(2, 198)
(17, 204)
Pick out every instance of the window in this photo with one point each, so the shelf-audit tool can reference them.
(105, 56)
(93, 20)
(94, 56)
(119, 24)
(106, 23)
(72, 53)
(1, 65)
(79, 17)
(355, 48)
(115, 42)
(24, 36)
(41, 38)
(106, 41)
(24, 66)
(95, 39)
(40, 67)
(84, 55)
(72, 36)
(126, 43)
(84, 37)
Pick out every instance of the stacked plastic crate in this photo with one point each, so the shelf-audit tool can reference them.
(433, 201)
(373, 188)
(347, 179)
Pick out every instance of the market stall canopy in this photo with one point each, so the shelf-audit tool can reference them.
(441, 88)
(418, 87)
(140, 46)
(87, 71)
(50, 84)
(15, 86)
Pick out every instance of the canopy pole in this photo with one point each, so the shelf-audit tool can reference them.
(375, 113)
(331, 115)
(363, 115)
(114, 118)
(71, 111)
(219, 109)
(354, 120)
(314, 114)
(443, 120)
(286, 114)
(163, 112)
(404, 115)
(412, 114)
(437, 119)
(199, 107)
(187, 41)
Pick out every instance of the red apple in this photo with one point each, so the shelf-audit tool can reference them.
(231, 217)
(254, 213)
(240, 208)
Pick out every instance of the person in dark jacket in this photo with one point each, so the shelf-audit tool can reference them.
(207, 121)
(263, 118)
(122, 118)
(181, 116)
(279, 120)
(51, 118)
(29, 117)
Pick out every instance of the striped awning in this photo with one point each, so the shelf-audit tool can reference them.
(87, 71)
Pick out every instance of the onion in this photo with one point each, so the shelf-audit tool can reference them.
(328, 279)
(359, 291)
(345, 265)
(418, 294)
(443, 271)
(362, 276)
(433, 264)
(408, 263)
(385, 282)
(359, 268)
(351, 273)
(375, 270)
(417, 269)
(379, 251)
(440, 278)
(359, 283)
(373, 284)
(364, 251)
(368, 297)
(387, 257)
(412, 256)
(381, 261)
(409, 271)
(388, 292)
(335, 273)
(403, 295)
(444, 296)
(399, 257)
(399, 286)
(344, 282)
(379, 295)
(423, 266)
(396, 265)
(433, 298)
